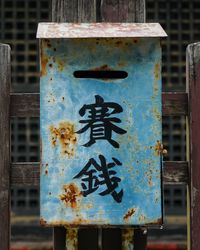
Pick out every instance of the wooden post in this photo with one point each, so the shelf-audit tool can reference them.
(98, 11)
(193, 89)
(74, 11)
(5, 147)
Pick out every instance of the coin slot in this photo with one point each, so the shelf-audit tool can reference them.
(101, 74)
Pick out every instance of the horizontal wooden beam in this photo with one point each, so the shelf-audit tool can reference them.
(25, 105)
(28, 104)
(175, 172)
(27, 174)
(174, 103)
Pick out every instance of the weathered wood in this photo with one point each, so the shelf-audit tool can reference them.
(28, 104)
(86, 11)
(25, 174)
(174, 172)
(74, 11)
(122, 11)
(175, 103)
(64, 11)
(5, 78)
(25, 105)
(193, 88)
(96, 10)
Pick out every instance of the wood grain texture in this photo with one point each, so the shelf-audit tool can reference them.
(25, 105)
(28, 104)
(87, 11)
(26, 174)
(175, 172)
(174, 103)
(193, 88)
(122, 11)
(74, 11)
(65, 11)
(5, 78)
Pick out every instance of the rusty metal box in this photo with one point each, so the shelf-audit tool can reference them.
(100, 99)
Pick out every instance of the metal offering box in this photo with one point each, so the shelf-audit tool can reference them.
(100, 99)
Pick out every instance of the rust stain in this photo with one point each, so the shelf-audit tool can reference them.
(47, 43)
(60, 63)
(65, 133)
(79, 221)
(102, 68)
(150, 182)
(127, 239)
(43, 222)
(76, 222)
(157, 114)
(135, 40)
(119, 43)
(72, 238)
(71, 195)
(71, 234)
(44, 62)
(158, 148)
(157, 71)
(44, 58)
(46, 172)
(129, 213)
(158, 221)
(122, 64)
(149, 177)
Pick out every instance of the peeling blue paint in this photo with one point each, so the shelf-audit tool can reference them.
(63, 95)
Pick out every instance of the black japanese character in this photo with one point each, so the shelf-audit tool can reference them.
(99, 121)
(100, 174)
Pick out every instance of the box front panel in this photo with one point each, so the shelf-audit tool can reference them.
(100, 136)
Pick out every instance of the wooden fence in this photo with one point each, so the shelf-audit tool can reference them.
(174, 104)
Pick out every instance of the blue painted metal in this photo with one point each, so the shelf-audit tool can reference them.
(137, 199)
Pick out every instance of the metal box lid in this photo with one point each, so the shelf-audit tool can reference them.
(99, 30)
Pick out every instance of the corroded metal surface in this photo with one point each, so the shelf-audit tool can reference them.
(128, 239)
(95, 30)
(101, 138)
(72, 239)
